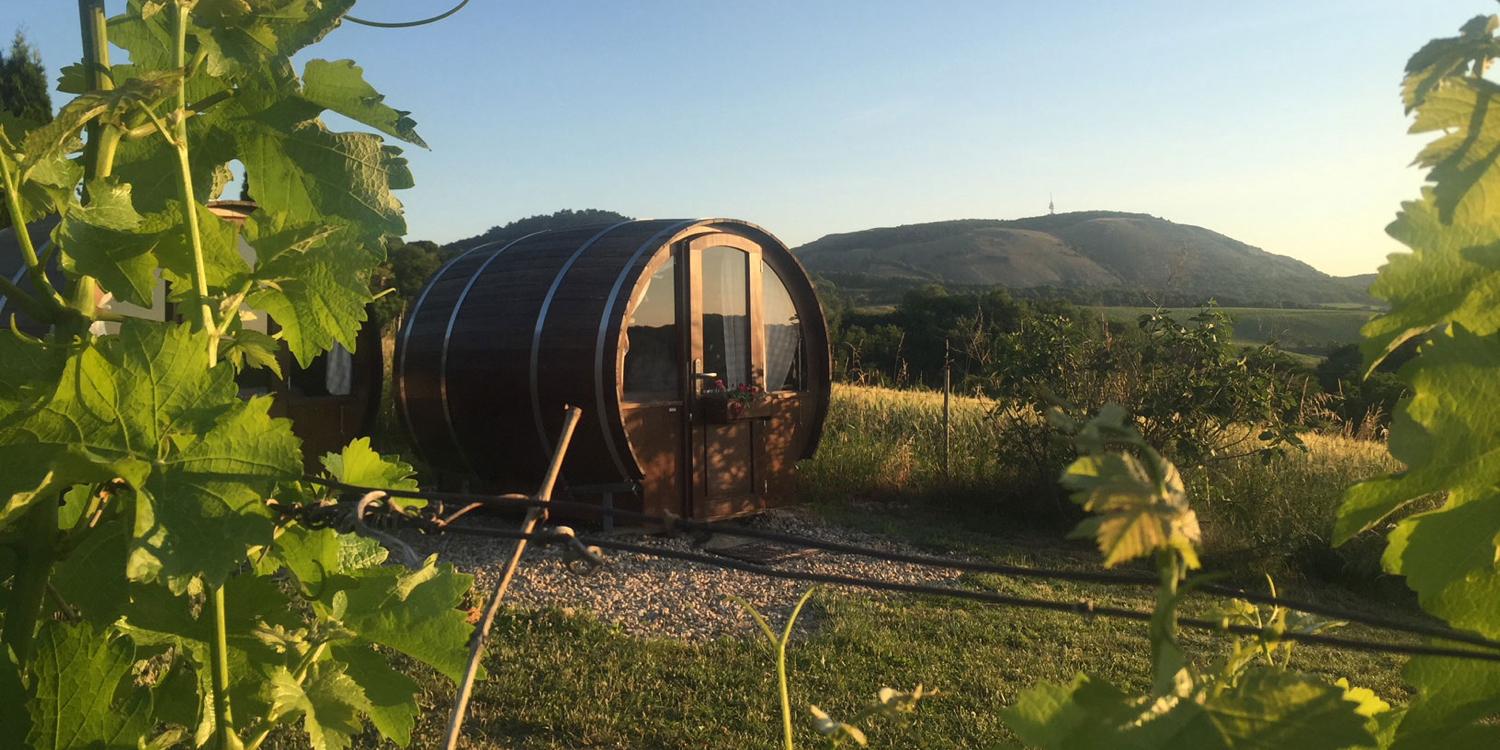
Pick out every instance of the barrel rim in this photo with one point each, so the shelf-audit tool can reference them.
(458, 306)
(541, 322)
(398, 366)
(663, 238)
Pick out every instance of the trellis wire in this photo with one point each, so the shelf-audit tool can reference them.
(1079, 607)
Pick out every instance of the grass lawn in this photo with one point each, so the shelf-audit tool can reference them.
(566, 680)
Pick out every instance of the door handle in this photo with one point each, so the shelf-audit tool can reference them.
(706, 376)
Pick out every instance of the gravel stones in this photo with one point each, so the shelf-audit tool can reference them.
(659, 597)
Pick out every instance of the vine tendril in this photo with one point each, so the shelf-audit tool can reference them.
(407, 24)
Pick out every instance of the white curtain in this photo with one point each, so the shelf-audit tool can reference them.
(732, 283)
(340, 371)
(737, 323)
(781, 351)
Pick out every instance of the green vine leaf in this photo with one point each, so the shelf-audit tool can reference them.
(150, 166)
(34, 471)
(243, 37)
(223, 265)
(1141, 506)
(330, 703)
(310, 554)
(47, 185)
(105, 239)
(1087, 714)
(360, 464)
(414, 612)
(147, 36)
(210, 490)
(1266, 709)
(247, 349)
(1446, 443)
(314, 282)
(29, 371)
(392, 695)
(1456, 697)
(1445, 279)
(61, 135)
(1449, 558)
(92, 577)
(78, 700)
(1449, 57)
(306, 175)
(1462, 159)
(156, 617)
(144, 405)
(340, 85)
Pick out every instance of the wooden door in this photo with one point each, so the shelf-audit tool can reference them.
(726, 457)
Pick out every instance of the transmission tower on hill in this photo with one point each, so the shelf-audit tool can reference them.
(1051, 207)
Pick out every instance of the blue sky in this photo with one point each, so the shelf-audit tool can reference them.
(1276, 122)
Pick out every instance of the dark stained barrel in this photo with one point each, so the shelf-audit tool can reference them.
(506, 335)
(13, 268)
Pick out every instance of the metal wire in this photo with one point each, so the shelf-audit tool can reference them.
(1128, 579)
(1079, 607)
(1042, 573)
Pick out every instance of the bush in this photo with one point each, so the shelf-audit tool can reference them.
(1192, 394)
(1359, 400)
(1276, 516)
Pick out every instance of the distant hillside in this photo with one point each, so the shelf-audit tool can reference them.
(1088, 250)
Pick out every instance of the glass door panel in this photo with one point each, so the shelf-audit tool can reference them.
(652, 367)
(725, 272)
(726, 448)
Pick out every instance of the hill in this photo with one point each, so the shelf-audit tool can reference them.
(1095, 251)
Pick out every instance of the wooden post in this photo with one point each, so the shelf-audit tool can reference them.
(482, 630)
(947, 414)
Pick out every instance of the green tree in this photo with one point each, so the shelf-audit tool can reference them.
(23, 82)
(565, 219)
(407, 267)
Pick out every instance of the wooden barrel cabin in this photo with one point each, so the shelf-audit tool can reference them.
(656, 329)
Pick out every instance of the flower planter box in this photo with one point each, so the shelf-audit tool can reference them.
(721, 410)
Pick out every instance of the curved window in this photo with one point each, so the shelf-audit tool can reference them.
(783, 330)
(651, 364)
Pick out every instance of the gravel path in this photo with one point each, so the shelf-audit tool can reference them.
(652, 596)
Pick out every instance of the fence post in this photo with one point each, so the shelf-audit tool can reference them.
(947, 414)
(482, 630)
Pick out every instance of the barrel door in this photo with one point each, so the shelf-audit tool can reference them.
(742, 330)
